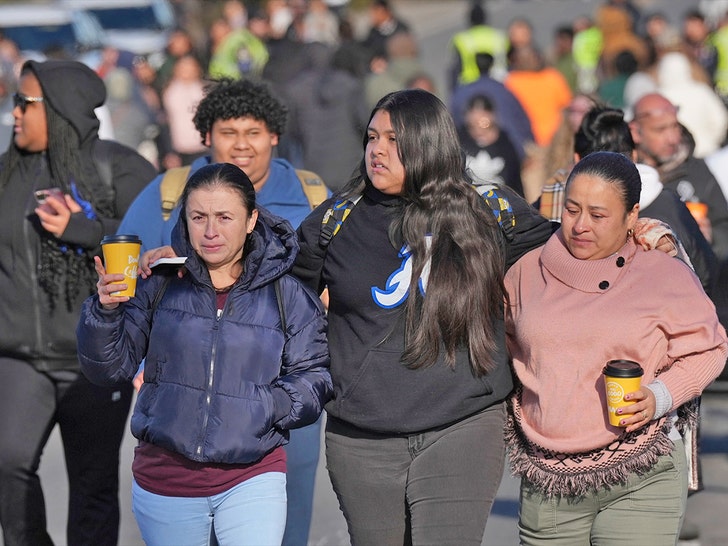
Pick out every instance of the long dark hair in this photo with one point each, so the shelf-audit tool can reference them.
(465, 292)
(614, 168)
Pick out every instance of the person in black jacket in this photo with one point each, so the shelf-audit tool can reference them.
(414, 442)
(604, 129)
(491, 156)
(46, 272)
(665, 144)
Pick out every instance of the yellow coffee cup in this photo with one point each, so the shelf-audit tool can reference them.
(121, 255)
(620, 377)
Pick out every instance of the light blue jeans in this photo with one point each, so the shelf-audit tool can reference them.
(252, 513)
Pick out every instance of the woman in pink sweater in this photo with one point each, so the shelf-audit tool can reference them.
(586, 297)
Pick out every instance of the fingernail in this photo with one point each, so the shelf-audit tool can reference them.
(623, 422)
(619, 411)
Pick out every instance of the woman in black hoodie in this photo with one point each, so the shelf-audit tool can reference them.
(46, 272)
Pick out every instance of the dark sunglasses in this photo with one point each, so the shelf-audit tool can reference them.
(22, 101)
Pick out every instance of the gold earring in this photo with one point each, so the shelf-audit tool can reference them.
(630, 232)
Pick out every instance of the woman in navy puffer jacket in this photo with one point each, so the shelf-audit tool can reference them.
(228, 371)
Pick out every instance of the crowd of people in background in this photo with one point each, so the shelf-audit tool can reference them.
(332, 61)
(520, 109)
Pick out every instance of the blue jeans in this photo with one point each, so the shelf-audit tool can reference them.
(302, 455)
(252, 513)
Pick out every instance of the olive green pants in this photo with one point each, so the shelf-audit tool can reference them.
(647, 510)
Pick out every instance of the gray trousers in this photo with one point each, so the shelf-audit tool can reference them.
(647, 510)
(435, 487)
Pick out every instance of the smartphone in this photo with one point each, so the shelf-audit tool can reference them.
(41, 196)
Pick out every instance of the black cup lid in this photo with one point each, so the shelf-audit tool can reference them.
(623, 368)
(120, 239)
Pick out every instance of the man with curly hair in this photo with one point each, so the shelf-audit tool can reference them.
(240, 121)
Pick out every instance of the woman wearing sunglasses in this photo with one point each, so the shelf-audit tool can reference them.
(46, 272)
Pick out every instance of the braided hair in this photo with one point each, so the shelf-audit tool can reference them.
(65, 271)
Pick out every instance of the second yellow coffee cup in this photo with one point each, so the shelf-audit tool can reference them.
(620, 377)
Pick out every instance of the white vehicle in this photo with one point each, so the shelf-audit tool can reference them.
(40, 29)
(138, 26)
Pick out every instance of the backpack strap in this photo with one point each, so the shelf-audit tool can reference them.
(314, 188)
(147, 371)
(496, 201)
(501, 207)
(173, 182)
(334, 217)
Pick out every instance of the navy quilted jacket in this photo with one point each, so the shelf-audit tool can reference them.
(222, 389)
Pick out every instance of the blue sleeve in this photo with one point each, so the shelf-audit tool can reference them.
(305, 375)
(144, 217)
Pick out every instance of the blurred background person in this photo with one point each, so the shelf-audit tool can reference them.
(383, 24)
(478, 37)
(697, 45)
(513, 118)
(328, 113)
(540, 88)
(663, 143)
(561, 55)
(130, 118)
(180, 98)
(400, 63)
(490, 156)
(699, 108)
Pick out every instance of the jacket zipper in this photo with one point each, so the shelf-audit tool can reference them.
(211, 371)
(33, 260)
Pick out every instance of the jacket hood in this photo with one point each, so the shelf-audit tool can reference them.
(73, 90)
(269, 253)
(651, 185)
(674, 70)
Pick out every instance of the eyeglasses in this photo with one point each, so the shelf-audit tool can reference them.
(21, 101)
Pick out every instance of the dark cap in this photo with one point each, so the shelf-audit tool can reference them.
(120, 239)
(623, 368)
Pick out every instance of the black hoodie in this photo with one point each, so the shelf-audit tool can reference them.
(32, 327)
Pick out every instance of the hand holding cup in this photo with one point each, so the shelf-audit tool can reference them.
(121, 256)
(629, 404)
(108, 284)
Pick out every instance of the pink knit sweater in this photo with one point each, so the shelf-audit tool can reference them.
(568, 317)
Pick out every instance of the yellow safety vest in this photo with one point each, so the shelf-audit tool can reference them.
(480, 39)
(719, 39)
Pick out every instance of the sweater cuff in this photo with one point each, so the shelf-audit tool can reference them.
(663, 398)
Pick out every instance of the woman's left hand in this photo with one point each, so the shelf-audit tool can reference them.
(643, 409)
(150, 256)
(56, 221)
